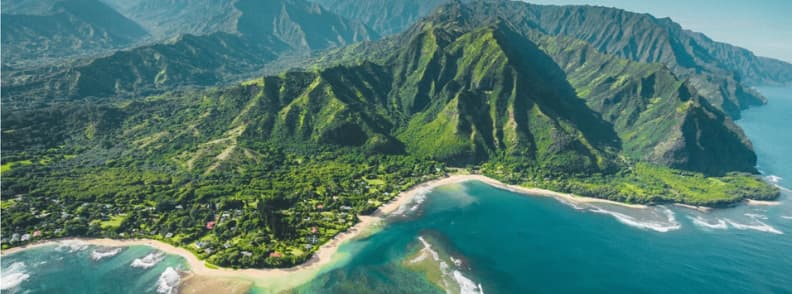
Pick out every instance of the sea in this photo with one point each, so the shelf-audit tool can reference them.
(475, 238)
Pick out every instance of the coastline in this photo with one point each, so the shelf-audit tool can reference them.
(327, 253)
(752, 202)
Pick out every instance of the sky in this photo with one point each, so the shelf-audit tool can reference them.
(762, 26)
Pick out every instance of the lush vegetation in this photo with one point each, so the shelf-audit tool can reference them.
(643, 183)
(259, 174)
(271, 215)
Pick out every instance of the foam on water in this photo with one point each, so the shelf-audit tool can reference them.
(467, 286)
(663, 227)
(436, 257)
(13, 275)
(456, 261)
(756, 226)
(756, 216)
(774, 179)
(97, 255)
(71, 246)
(149, 260)
(576, 206)
(168, 281)
(786, 217)
(414, 203)
(719, 224)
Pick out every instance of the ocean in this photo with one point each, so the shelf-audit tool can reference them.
(474, 238)
(75, 267)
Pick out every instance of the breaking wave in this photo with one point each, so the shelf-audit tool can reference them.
(71, 246)
(13, 275)
(574, 205)
(467, 286)
(756, 216)
(97, 255)
(774, 179)
(149, 260)
(414, 203)
(670, 225)
(168, 281)
(699, 221)
(786, 217)
(756, 226)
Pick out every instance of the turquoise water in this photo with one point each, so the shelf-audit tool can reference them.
(495, 241)
(510, 243)
(78, 268)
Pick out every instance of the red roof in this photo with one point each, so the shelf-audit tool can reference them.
(210, 225)
(314, 230)
(276, 254)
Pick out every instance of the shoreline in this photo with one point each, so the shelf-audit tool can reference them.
(326, 254)
(752, 202)
(365, 223)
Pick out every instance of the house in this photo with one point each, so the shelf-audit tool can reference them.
(37, 234)
(247, 253)
(210, 225)
(179, 206)
(308, 246)
(275, 254)
(201, 244)
(25, 238)
(227, 245)
(314, 230)
(347, 208)
(169, 235)
(14, 238)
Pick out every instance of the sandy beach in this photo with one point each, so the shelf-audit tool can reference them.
(762, 203)
(290, 277)
(694, 207)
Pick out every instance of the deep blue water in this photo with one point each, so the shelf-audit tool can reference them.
(510, 243)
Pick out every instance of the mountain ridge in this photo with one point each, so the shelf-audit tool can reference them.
(725, 68)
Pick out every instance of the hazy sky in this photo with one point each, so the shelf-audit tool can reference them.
(762, 26)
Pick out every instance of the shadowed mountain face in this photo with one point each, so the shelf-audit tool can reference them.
(35, 31)
(169, 18)
(263, 30)
(720, 71)
(386, 17)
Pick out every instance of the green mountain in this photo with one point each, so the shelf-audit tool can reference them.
(720, 71)
(264, 30)
(46, 30)
(658, 117)
(283, 163)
